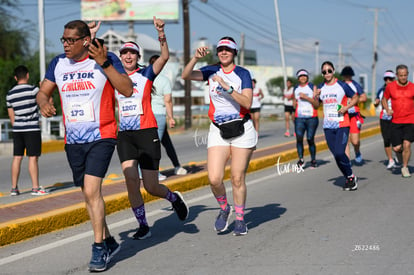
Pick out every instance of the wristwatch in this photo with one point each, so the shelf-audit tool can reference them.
(230, 90)
(106, 64)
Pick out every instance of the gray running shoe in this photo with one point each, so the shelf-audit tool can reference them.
(405, 172)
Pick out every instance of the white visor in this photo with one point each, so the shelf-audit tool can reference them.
(227, 43)
(130, 46)
(389, 74)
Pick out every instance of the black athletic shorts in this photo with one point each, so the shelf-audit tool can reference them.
(400, 132)
(141, 145)
(31, 141)
(289, 109)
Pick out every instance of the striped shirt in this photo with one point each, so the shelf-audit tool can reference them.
(22, 98)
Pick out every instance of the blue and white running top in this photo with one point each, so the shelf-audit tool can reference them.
(304, 108)
(222, 106)
(87, 97)
(383, 114)
(135, 112)
(331, 96)
(357, 89)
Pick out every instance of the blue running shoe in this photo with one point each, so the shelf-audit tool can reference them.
(99, 258)
(358, 158)
(222, 221)
(240, 228)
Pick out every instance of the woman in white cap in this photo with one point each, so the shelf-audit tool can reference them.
(138, 141)
(306, 116)
(231, 132)
(385, 119)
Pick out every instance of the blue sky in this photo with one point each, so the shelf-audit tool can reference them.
(338, 25)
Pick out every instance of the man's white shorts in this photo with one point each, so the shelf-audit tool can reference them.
(247, 140)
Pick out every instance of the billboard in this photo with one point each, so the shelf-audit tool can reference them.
(127, 10)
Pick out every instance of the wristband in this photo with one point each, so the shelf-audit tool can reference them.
(162, 39)
(230, 90)
(106, 64)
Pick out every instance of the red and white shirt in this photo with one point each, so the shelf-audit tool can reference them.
(87, 98)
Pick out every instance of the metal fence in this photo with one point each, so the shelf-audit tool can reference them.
(54, 128)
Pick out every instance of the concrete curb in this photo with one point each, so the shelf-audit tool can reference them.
(25, 228)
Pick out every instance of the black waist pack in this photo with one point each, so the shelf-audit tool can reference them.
(233, 128)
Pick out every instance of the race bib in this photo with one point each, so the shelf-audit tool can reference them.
(333, 115)
(130, 107)
(306, 111)
(80, 112)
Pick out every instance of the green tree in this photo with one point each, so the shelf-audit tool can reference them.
(15, 50)
(13, 41)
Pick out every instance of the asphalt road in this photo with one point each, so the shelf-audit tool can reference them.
(191, 146)
(299, 223)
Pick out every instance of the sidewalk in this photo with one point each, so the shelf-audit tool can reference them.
(35, 216)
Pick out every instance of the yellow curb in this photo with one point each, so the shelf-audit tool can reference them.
(53, 146)
(21, 229)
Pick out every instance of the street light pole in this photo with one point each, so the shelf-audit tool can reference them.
(282, 53)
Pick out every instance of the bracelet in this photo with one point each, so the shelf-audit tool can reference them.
(162, 39)
(230, 90)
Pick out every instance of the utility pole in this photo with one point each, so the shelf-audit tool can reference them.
(374, 64)
(340, 64)
(187, 83)
(241, 50)
(282, 53)
(316, 58)
(42, 59)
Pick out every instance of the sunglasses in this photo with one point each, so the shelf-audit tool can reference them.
(329, 71)
(388, 78)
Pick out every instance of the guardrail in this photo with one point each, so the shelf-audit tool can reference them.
(54, 127)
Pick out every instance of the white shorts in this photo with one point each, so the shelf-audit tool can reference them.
(247, 140)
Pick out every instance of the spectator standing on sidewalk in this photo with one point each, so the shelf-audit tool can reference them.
(162, 107)
(401, 93)
(231, 132)
(289, 109)
(385, 119)
(24, 117)
(86, 77)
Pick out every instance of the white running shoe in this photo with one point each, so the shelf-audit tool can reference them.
(391, 164)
